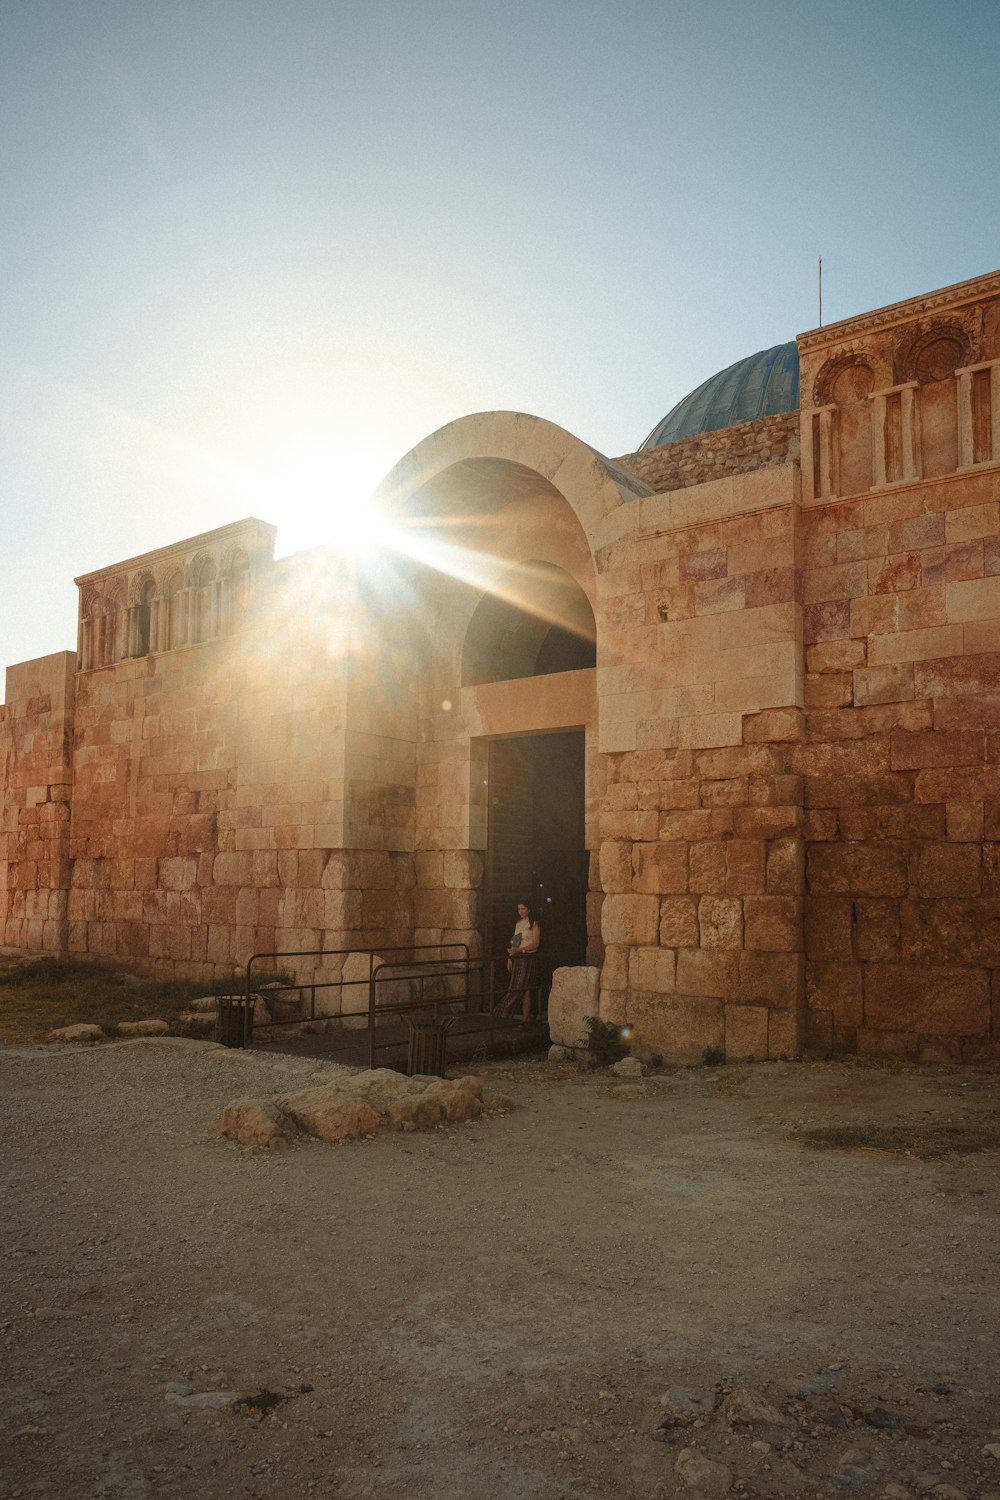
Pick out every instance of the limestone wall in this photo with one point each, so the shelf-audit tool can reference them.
(901, 608)
(714, 455)
(36, 743)
(902, 770)
(701, 854)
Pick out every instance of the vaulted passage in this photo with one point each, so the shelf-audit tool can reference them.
(537, 621)
(535, 843)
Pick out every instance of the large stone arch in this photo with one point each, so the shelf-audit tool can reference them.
(487, 443)
(519, 506)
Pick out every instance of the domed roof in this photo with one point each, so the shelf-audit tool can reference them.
(761, 386)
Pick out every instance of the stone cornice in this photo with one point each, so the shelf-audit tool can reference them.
(262, 531)
(958, 295)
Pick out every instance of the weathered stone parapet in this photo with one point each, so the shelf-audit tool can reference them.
(765, 443)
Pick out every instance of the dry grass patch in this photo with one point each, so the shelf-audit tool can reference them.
(37, 995)
(926, 1142)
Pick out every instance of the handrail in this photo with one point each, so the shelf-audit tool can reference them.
(461, 952)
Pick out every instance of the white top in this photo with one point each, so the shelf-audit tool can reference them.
(522, 930)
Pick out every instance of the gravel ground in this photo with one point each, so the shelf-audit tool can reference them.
(640, 1290)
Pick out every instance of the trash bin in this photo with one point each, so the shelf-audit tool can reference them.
(428, 1046)
(234, 1020)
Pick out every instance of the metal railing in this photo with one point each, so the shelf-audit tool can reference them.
(437, 989)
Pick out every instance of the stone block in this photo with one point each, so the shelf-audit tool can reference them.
(247, 904)
(940, 930)
(430, 867)
(973, 599)
(946, 870)
(786, 867)
(680, 1028)
(575, 995)
(707, 867)
(725, 793)
(700, 823)
(891, 575)
(915, 645)
(745, 867)
(829, 690)
(679, 922)
(876, 929)
(933, 748)
(774, 725)
(180, 874)
(709, 972)
(614, 972)
(773, 923)
(768, 822)
(857, 870)
(463, 869)
(967, 713)
(889, 684)
(746, 1033)
(341, 910)
(660, 868)
(958, 676)
(827, 620)
(909, 999)
(784, 1034)
(629, 825)
(616, 867)
(720, 921)
(836, 987)
(652, 971)
(775, 980)
(835, 656)
(632, 919)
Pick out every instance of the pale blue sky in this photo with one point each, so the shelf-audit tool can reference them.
(241, 240)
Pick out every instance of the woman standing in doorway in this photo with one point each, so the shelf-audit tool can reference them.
(524, 943)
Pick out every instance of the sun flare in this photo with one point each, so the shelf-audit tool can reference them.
(323, 499)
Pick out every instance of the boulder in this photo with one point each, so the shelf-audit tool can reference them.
(574, 996)
(143, 1028)
(354, 1105)
(458, 1102)
(415, 1112)
(628, 1067)
(254, 1122)
(203, 1004)
(328, 1113)
(81, 1034)
(381, 1088)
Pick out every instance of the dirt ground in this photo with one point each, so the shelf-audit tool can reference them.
(640, 1290)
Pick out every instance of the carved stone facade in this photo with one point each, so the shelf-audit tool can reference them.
(788, 713)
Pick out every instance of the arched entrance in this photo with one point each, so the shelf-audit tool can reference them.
(500, 515)
(535, 846)
(534, 627)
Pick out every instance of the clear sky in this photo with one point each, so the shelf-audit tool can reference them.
(246, 245)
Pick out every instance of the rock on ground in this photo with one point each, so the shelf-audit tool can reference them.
(354, 1105)
(82, 1034)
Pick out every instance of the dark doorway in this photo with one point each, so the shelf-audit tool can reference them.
(535, 844)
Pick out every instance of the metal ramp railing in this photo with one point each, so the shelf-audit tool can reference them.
(427, 988)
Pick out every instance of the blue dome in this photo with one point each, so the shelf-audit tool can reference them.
(761, 386)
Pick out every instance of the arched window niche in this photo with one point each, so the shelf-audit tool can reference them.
(144, 617)
(536, 621)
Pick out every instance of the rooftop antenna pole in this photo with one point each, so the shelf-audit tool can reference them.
(821, 291)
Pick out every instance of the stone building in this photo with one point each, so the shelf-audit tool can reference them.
(727, 707)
